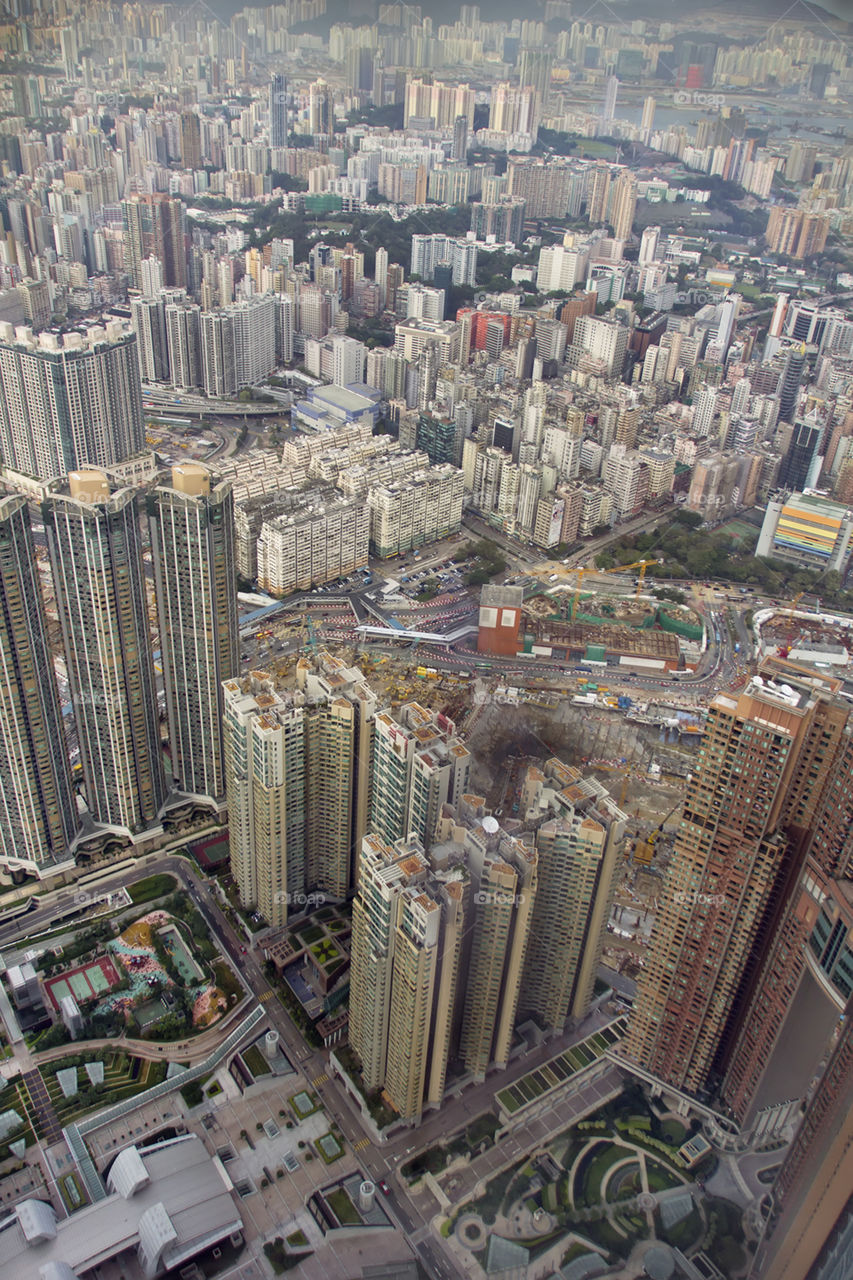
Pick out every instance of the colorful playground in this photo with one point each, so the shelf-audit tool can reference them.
(130, 977)
(85, 982)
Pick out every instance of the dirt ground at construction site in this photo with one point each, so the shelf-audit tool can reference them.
(625, 756)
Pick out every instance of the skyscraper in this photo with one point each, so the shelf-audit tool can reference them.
(801, 456)
(767, 754)
(534, 72)
(155, 224)
(321, 108)
(297, 764)
(192, 540)
(459, 149)
(148, 316)
(218, 369)
(96, 561)
(265, 783)
(38, 810)
(418, 765)
(647, 122)
(381, 275)
(183, 344)
(611, 90)
(578, 856)
(284, 328)
(407, 933)
(623, 204)
(598, 192)
(190, 140)
(278, 110)
(69, 402)
(808, 1230)
(504, 897)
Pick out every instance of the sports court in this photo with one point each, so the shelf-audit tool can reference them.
(83, 983)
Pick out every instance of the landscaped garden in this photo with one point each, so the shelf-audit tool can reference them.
(329, 1147)
(608, 1182)
(81, 1082)
(304, 1104)
(160, 978)
(559, 1069)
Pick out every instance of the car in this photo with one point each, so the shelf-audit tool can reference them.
(243, 951)
(383, 1187)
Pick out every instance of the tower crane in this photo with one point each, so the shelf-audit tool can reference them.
(642, 565)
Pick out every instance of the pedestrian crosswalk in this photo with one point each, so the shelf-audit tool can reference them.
(361, 1144)
(321, 1079)
(269, 994)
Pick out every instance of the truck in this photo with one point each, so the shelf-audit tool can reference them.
(737, 648)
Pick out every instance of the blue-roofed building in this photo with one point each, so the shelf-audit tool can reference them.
(327, 408)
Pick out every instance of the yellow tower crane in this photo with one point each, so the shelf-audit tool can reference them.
(642, 565)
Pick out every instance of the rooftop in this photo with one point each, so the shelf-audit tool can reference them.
(172, 1198)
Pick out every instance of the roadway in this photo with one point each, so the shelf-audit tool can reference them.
(379, 1163)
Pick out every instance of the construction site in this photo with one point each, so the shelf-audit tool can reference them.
(822, 639)
(612, 618)
(640, 757)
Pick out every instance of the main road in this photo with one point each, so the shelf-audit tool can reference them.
(380, 1163)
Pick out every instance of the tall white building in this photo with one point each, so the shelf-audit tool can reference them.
(649, 241)
(348, 358)
(253, 321)
(150, 277)
(430, 250)
(418, 510)
(561, 267)
(422, 302)
(605, 340)
(69, 401)
(611, 90)
(380, 274)
(320, 543)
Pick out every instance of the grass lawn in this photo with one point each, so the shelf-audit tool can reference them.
(313, 933)
(494, 1197)
(343, 1208)
(325, 952)
(673, 1131)
(304, 1104)
(660, 1178)
(593, 1175)
(255, 1061)
(227, 982)
(152, 887)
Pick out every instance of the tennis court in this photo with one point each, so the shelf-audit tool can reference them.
(83, 983)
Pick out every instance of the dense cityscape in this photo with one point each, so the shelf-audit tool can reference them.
(426, 731)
